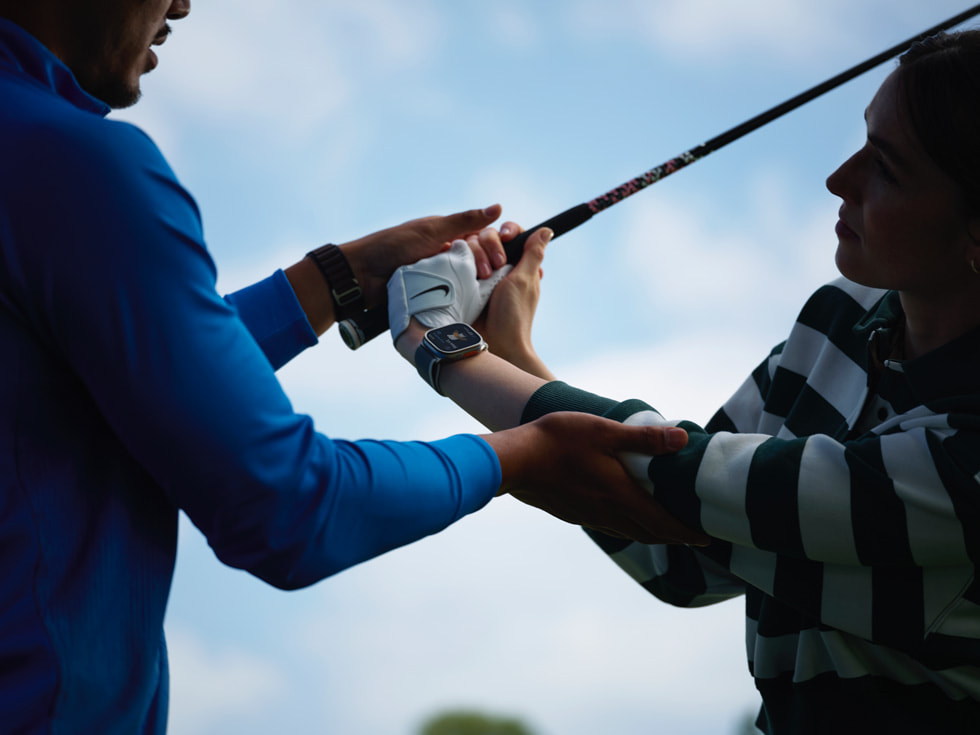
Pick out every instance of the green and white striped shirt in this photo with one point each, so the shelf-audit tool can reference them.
(842, 491)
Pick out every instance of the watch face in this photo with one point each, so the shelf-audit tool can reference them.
(454, 338)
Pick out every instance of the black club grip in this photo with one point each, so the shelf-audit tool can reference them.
(374, 321)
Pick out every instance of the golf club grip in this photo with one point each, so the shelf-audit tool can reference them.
(374, 321)
(559, 224)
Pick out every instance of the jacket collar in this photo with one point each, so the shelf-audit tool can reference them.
(23, 54)
(952, 370)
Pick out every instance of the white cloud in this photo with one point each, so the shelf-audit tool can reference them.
(513, 612)
(511, 24)
(260, 64)
(792, 31)
(208, 686)
(705, 272)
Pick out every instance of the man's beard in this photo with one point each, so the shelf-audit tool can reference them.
(104, 72)
(114, 92)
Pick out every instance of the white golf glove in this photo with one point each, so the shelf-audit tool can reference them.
(439, 290)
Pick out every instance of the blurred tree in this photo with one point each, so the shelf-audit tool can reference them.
(472, 723)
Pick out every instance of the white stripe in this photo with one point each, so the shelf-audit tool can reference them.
(642, 562)
(935, 534)
(721, 482)
(830, 372)
(960, 618)
(636, 464)
(824, 499)
(772, 425)
(923, 418)
(745, 406)
(918, 416)
(865, 296)
(815, 652)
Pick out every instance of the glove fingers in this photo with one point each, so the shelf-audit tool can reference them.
(487, 285)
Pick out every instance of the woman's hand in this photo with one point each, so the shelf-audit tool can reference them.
(507, 321)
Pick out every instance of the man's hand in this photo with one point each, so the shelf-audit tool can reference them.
(568, 465)
(375, 257)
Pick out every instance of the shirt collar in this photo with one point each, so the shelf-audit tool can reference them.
(950, 370)
(24, 54)
(885, 314)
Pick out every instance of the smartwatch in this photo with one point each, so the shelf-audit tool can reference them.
(446, 344)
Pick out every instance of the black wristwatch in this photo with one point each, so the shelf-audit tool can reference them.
(446, 344)
(348, 298)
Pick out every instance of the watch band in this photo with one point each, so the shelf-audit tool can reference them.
(429, 363)
(348, 297)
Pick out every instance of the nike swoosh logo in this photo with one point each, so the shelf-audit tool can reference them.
(444, 289)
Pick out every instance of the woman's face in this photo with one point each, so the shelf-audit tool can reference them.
(903, 223)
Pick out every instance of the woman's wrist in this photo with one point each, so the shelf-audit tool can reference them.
(523, 356)
(408, 341)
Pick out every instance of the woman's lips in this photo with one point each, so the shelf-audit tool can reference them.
(844, 232)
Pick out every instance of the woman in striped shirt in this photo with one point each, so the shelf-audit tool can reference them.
(839, 484)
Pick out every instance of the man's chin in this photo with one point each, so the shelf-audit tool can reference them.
(121, 102)
(115, 93)
(121, 97)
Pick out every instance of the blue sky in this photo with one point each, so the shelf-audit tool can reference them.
(298, 123)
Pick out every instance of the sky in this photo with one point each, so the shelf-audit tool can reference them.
(299, 122)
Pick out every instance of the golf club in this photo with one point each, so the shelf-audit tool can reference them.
(374, 321)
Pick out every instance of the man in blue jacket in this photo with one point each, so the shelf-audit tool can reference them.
(129, 390)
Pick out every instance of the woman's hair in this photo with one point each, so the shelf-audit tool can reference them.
(939, 78)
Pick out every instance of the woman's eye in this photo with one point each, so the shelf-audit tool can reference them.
(883, 168)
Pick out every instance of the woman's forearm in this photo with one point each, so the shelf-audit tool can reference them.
(488, 388)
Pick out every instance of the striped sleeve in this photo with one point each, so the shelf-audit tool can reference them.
(678, 575)
(846, 528)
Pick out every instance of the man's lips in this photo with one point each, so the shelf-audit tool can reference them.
(158, 40)
(161, 36)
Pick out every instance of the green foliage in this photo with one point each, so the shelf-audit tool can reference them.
(473, 723)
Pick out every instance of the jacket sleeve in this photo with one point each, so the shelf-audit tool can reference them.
(270, 310)
(120, 286)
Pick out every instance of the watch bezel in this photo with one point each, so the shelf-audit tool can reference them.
(436, 340)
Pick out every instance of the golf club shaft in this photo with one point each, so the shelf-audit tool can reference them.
(356, 332)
